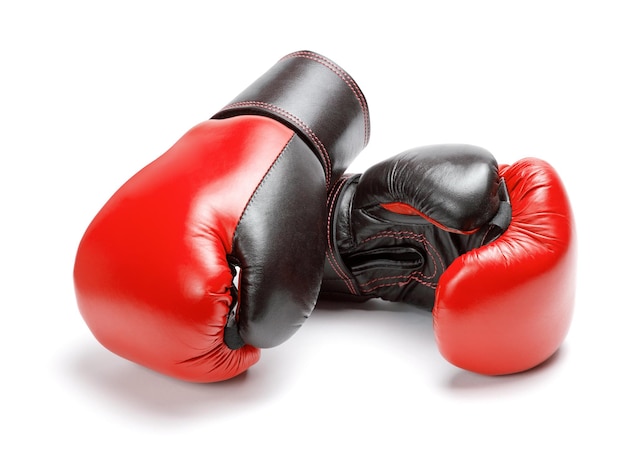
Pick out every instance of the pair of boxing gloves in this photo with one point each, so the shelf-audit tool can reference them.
(222, 245)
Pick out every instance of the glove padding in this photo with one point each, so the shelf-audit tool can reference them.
(216, 248)
(489, 249)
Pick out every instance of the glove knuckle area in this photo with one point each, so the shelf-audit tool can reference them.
(507, 306)
(453, 185)
(151, 274)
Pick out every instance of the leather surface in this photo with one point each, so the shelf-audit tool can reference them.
(279, 246)
(151, 274)
(507, 306)
(453, 186)
(502, 294)
(216, 248)
(396, 228)
(317, 99)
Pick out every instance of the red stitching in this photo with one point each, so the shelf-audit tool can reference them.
(408, 279)
(332, 260)
(344, 77)
(413, 276)
(404, 235)
(325, 156)
(429, 247)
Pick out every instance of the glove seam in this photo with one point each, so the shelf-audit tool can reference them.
(344, 76)
(420, 238)
(332, 259)
(259, 186)
(319, 145)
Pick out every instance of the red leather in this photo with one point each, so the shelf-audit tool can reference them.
(507, 306)
(402, 208)
(159, 294)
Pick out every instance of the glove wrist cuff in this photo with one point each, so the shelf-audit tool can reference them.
(338, 278)
(318, 100)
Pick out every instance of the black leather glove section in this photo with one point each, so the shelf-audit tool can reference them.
(279, 248)
(395, 229)
(455, 186)
(317, 99)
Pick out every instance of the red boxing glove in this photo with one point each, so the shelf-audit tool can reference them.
(216, 248)
(490, 249)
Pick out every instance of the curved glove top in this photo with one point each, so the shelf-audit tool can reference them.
(216, 248)
(489, 249)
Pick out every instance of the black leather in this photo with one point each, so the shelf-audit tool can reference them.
(317, 99)
(375, 252)
(279, 243)
(279, 247)
(455, 185)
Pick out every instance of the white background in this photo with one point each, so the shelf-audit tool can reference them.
(92, 91)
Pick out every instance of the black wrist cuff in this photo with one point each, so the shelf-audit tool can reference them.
(318, 100)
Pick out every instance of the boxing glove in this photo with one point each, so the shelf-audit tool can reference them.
(489, 249)
(216, 248)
